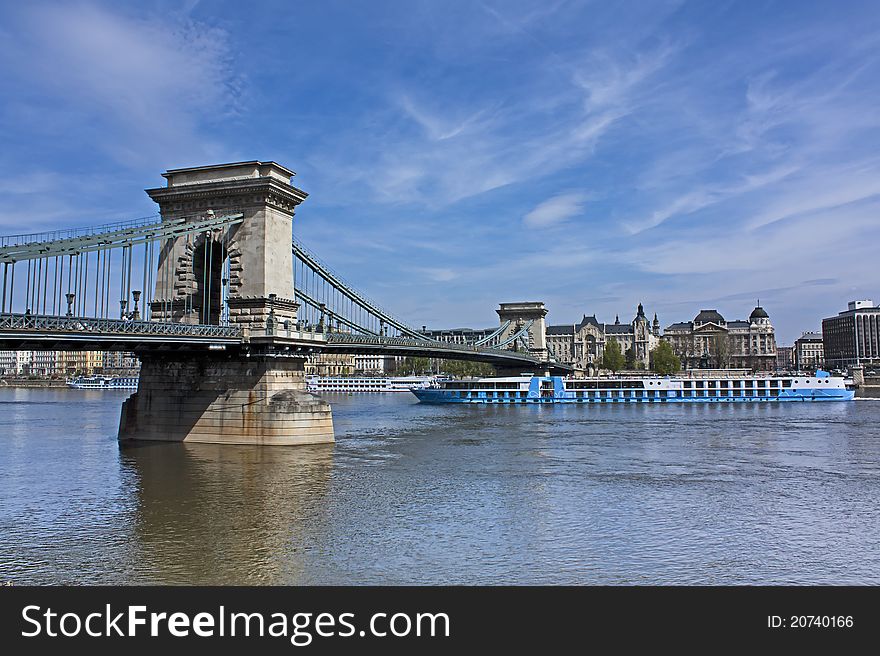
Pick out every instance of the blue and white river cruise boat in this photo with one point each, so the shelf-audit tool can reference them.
(556, 389)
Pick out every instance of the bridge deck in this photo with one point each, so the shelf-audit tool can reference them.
(42, 332)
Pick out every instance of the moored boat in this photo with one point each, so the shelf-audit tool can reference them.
(104, 382)
(556, 389)
(358, 384)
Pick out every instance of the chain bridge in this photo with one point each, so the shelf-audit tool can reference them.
(222, 307)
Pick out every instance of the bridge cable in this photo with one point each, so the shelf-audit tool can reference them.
(489, 338)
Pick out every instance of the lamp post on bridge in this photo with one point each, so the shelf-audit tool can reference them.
(135, 314)
(70, 298)
(122, 305)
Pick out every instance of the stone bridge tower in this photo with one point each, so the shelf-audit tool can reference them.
(257, 252)
(519, 315)
(252, 393)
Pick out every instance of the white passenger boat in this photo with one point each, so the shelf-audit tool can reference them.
(358, 384)
(104, 382)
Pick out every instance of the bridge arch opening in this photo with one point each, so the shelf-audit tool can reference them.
(210, 289)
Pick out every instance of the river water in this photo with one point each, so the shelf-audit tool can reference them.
(414, 494)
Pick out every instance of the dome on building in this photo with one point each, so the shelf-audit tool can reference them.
(758, 313)
(709, 316)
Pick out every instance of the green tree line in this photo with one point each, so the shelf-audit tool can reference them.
(413, 366)
(663, 358)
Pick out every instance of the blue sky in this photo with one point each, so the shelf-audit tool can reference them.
(460, 154)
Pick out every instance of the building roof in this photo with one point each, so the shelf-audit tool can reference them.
(851, 312)
(618, 329)
(738, 324)
(758, 313)
(681, 325)
(810, 337)
(566, 329)
(589, 319)
(707, 316)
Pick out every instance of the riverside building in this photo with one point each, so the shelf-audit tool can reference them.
(809, 352)
(784, 358)
(710, 341)
(583, 344)
(852, 338)
(45, 364)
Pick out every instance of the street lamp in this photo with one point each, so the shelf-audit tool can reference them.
(136, 315)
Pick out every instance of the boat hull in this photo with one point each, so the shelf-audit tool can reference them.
(437, 396)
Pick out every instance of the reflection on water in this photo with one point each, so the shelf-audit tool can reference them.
(413, 493)
(200, 505)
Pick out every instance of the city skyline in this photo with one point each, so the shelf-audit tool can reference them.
(459, 155)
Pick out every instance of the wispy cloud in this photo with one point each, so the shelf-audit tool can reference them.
(466, 147)
(436, 127)
(438, 274)
(141, 86)
(699, 198)
(554, 211)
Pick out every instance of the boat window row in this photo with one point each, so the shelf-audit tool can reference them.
(604, 384)
(730, 393)
(727, 384)
(482, 385)
(623, 394)
(492, 395)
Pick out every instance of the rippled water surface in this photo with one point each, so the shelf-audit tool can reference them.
(411, 493)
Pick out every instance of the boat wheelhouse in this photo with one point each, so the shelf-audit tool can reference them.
(556, 389)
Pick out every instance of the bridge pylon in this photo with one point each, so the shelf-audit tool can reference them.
(239, 275)
(519, 315)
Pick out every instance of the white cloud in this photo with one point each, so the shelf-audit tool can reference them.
(608, 80)
(824, 188)
(439, 127)
(555, 210)
(141, 87)
(702, 197)
(439, 274)
(488, 139)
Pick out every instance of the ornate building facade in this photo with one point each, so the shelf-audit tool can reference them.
(709, 341)
(583, 344)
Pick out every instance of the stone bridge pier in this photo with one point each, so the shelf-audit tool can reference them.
(243, 275)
